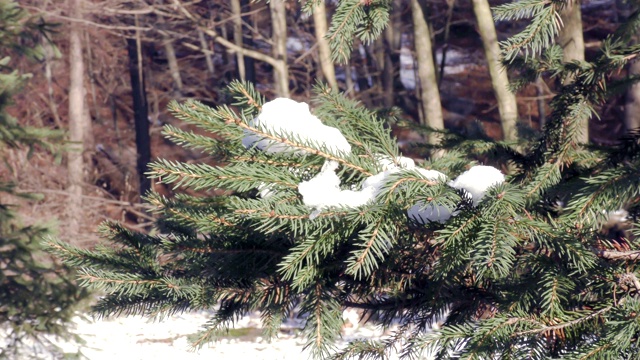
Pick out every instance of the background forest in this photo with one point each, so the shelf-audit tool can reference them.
(193, 50)
(105, 71)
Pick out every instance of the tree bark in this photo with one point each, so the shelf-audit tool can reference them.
(348, 80)
(279, 37)
(174, 68)
(507, 104)
(391, 67)
(208, 53)
(632, 105)
(141, 112)
(78, 122)
(324, 51)
(429, 94)
(236, 12)
(572, 42)
(49, 56)
(249, 62)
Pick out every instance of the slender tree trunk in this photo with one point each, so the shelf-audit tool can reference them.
(507, 104)
(445, 46)
(78, 122)
(279, 36)
(572, 42)
(174, 68)
(49, 57)
(249, 62)
(429, 94)
(236, 11)
(542, 116)
(206, 51)
(632, 106)
(141, 112)
(391, 67)
(324, 51)
(348, 78)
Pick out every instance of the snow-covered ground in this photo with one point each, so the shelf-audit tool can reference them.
(137, 338)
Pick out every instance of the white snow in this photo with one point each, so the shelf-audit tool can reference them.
(477, 180)
(295, 44)
(136, 338)
(407, 68)
(266, 190)
(288, 118)
(323, 190)
(617, 216)
(386, 162)
(425, 213)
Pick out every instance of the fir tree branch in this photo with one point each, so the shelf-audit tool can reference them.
(297, 145)
(553, 328)
(273, 215)
(416, 179)
(210, 250)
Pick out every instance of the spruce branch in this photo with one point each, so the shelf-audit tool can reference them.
(561, 326)
(301, 146)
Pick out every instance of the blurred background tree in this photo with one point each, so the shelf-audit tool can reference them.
(37, 294)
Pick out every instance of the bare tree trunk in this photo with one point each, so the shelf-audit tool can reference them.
(174, 68)
(324, 51)
(49, 56)
(572, 42)
(77, 120)
(206, 51)
(632, 105)
(429, 93)
(542, 116)
(348, 80)
(279, 36)
(141, 111)
(391, 67)
(507, 104)
(249, 62)
(236, 11)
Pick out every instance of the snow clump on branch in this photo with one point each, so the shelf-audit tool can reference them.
(290, 120)
(323, 190)
(477, 180)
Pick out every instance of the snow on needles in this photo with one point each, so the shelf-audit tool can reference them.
(323, 190)
(477, 180)
(292, 120)
(288, 119)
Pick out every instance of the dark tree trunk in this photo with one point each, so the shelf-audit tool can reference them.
(249, 62)
(141, 114)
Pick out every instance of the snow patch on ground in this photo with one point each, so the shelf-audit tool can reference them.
(136, 338)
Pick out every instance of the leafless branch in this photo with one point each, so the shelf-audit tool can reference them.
(226, 43)
(618, 255)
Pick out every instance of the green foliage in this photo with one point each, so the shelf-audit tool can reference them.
(36, 295)
(355, 18)
(531, 272)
